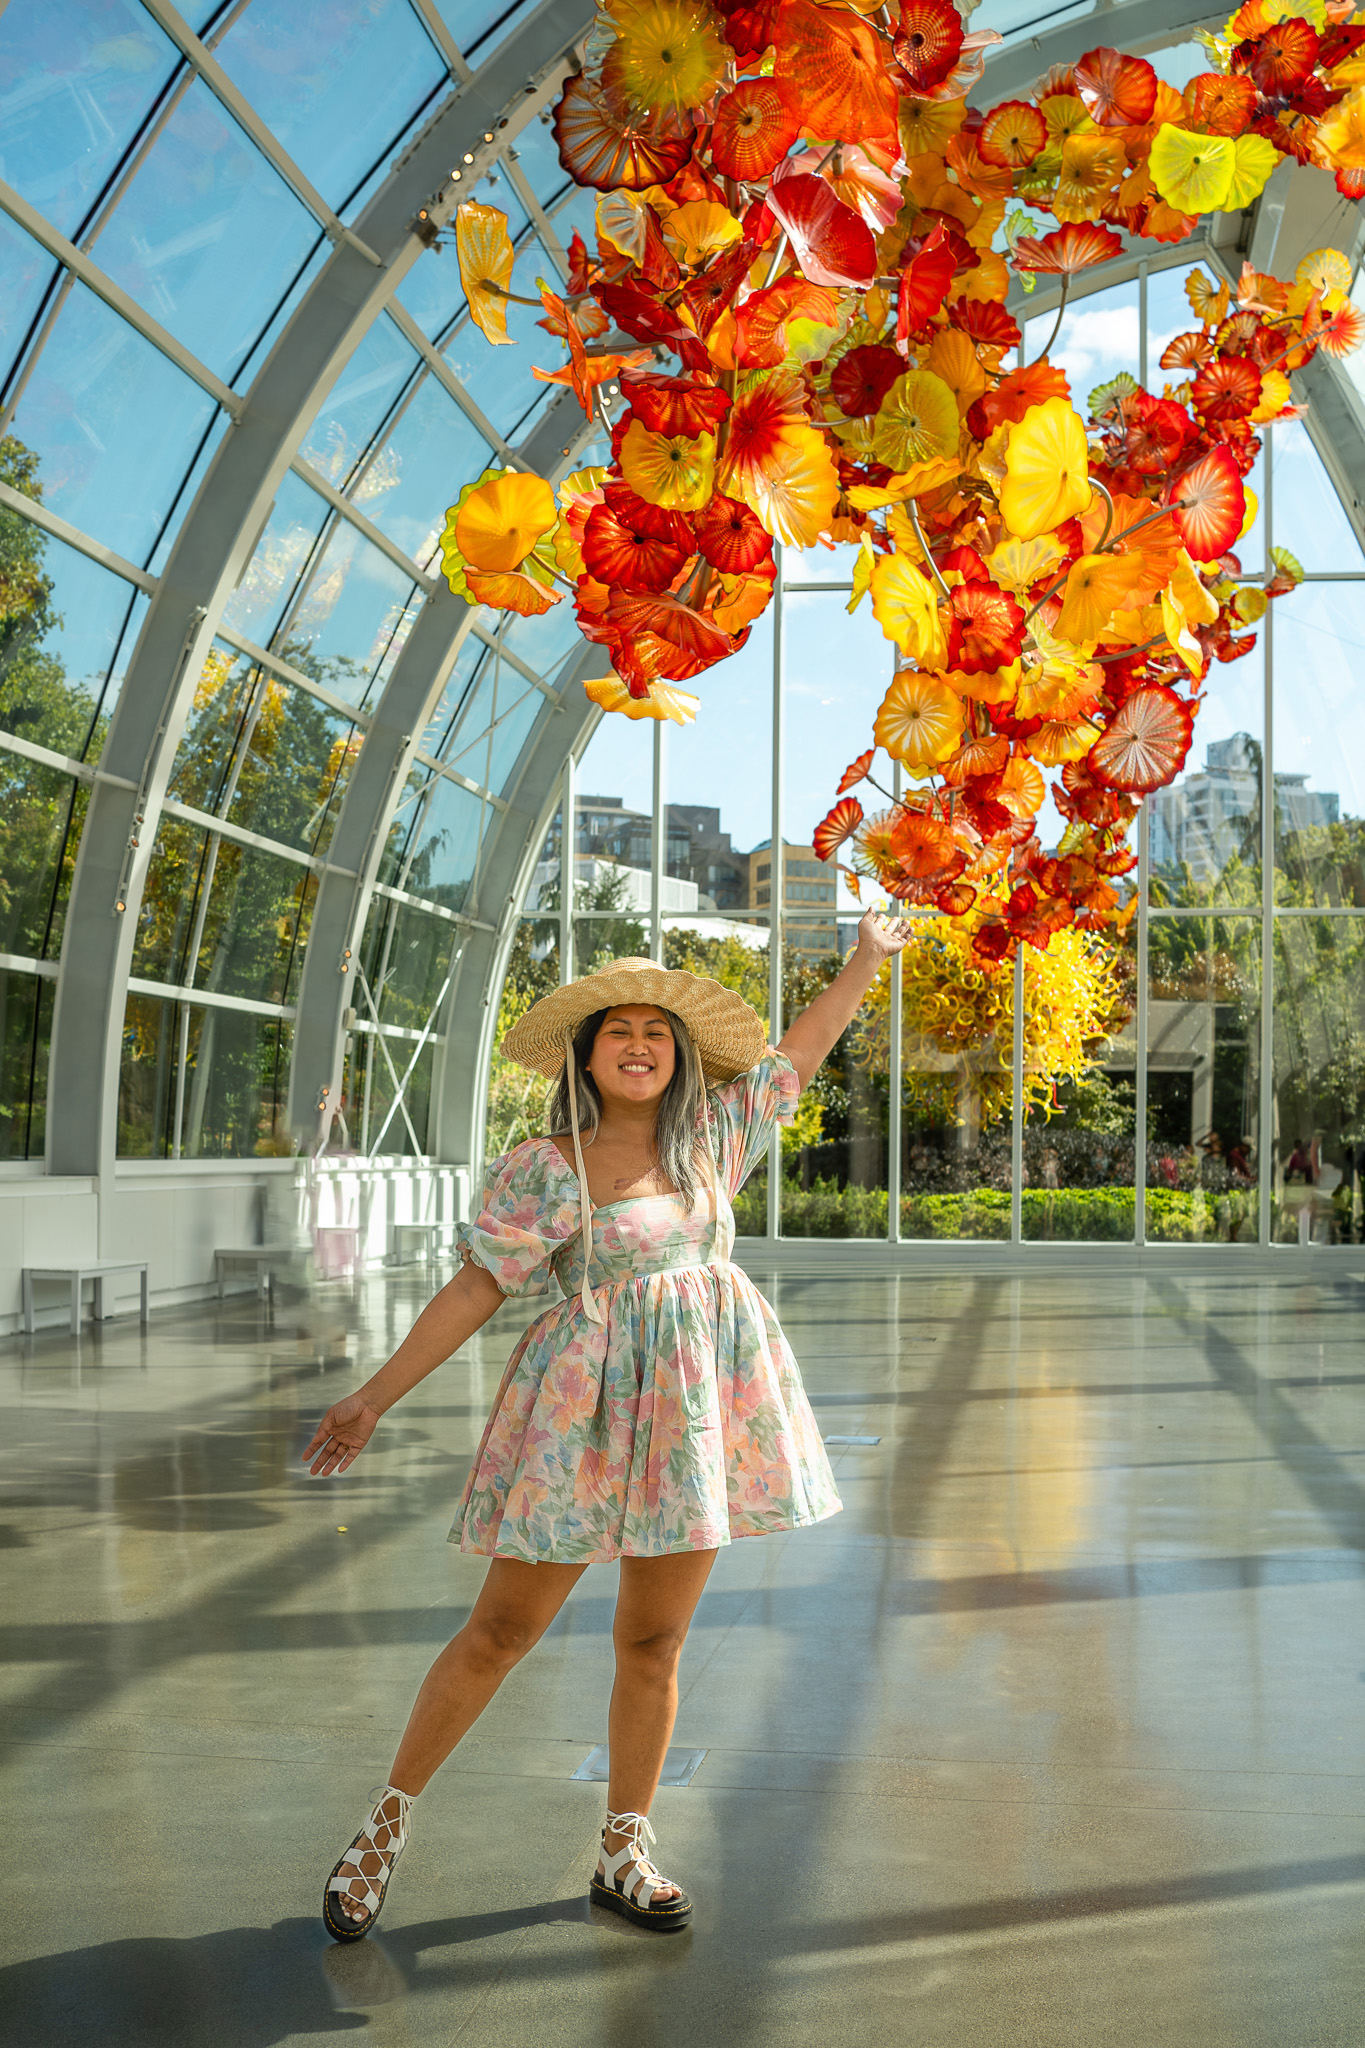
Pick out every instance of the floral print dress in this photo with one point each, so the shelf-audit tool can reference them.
(679, 1421)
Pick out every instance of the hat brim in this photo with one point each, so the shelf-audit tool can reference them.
(728, 1033)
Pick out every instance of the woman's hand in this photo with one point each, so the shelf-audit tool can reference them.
(341, 1436)
(881, 935)
(810, 1037)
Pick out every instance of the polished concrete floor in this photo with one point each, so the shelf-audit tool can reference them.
(1055, 1736)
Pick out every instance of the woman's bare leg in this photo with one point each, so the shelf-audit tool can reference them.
(516, 1605)
(654, 1610)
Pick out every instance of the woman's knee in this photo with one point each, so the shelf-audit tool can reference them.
(653, 1651)
(499, 1640)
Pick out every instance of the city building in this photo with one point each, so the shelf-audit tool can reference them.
(1211, 817)
(810, 894)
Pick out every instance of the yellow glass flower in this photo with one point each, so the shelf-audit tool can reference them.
(1061, 739)
(673, 470)
(699, 230)
(1193, 173)
(918, 420)
(486, 256)
(796, 490)
(1325, 270)
(665, 700)
(1091, 167)
(1208, 301)
(1341, 133)
(905, 605)
(929, 125)
(1047, 476)
(953, 357)
(1255, 159)
(1018, 564)
(499, 522)
(1096, 586)
(1022, 788)
(920, 720)
(1276, 394)
(669, 55)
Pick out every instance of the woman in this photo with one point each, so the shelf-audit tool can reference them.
(652, 1415)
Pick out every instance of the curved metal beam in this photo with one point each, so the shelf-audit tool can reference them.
(346, 890)
(460, 1082)
(212, 551)
(1139, 27)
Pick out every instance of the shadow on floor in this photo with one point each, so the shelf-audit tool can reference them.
(246, 1987)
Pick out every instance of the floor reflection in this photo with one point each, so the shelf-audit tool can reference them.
(1055, 1734)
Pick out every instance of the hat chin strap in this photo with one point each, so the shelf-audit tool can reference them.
(722, 1238)
(586, 1295)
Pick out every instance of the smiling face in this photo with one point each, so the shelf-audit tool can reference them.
(633, 1056)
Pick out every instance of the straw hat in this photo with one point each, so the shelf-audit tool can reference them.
(728, 1033)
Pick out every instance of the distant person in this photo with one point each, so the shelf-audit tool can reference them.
(1301, 1165)
(653, 1415)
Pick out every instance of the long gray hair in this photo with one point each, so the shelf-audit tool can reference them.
(676, 1136)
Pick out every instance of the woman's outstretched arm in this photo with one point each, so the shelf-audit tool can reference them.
(810, 1038)
(449, 1319)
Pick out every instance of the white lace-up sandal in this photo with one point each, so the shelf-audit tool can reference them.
(626, 1883)
(372, 1857)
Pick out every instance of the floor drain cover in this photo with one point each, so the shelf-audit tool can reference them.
(680, 1766)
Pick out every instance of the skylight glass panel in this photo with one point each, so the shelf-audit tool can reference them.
(336, 80)
(114, 424)
(77, 81)
(208, 236)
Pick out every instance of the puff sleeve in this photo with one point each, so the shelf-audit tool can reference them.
(520, 1225)
(747, 1111)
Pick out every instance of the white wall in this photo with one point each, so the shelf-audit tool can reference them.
(175, 1216)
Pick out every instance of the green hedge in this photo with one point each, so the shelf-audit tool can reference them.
(1075, 1215)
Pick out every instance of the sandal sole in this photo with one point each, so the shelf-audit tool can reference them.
(347, 1930)
(666, 1919)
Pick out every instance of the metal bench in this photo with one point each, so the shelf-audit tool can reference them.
(261, 1259)
(426, 1237)
(101, 1272)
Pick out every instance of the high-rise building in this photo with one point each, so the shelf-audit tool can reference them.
(810, 892)
(1212, 817)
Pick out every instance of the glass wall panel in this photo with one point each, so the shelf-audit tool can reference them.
(1098, 333)
(77, 81)
(433, 842)
(336, 86)
(27, 273)
(41, 814)
(207, 235)
(1319, 1080)
(542, 642)
(444, 725)
(358, 404)
(25, 1034)
(1320, 745)
(431, 449)
(1203, 1079)
(480, 25)
(297, 519)
(1308, 517)
(351, 615)
(114, 424)
(490, 739)
(199, 1083)
(835, 671)
(66, 631)
(407, 955)
(612, 848)
(1206, 825)
(264, 754)
(1079, 1152)
(224, 917)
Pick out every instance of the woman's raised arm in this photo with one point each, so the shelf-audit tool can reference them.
(449, 1319)
(810, 1038)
